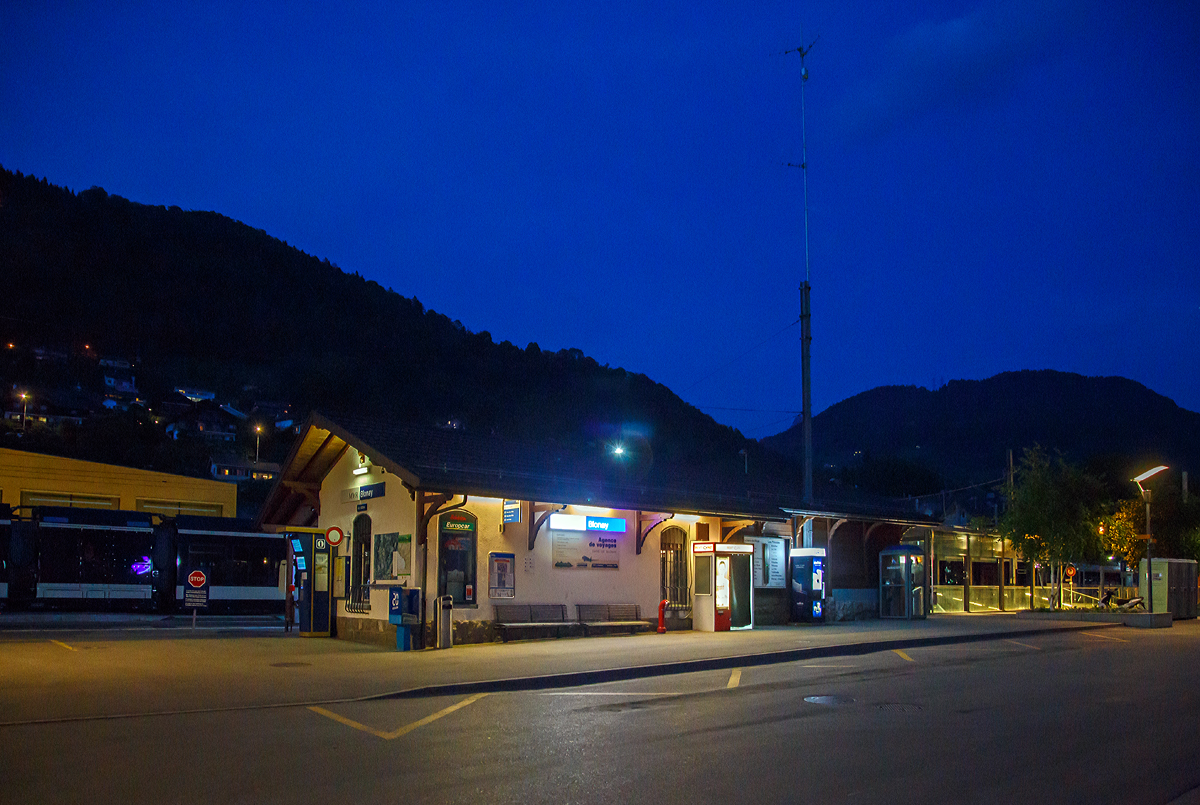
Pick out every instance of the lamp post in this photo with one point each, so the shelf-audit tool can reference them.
(24, 409)
(257, 439)
(1148, 474)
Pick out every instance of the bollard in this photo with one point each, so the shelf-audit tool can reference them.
(662, 616)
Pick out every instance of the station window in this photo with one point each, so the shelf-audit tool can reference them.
(360, 556)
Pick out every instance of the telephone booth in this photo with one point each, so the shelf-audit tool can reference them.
(310, 555)
(902, 582)
(723, 590)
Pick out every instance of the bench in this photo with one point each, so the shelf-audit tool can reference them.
(532, 618)
(611, 617)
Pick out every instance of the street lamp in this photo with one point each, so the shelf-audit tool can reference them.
(257, 439)
(1148, 474)
(24, 409)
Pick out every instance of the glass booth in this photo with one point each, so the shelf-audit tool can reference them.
(902, 582)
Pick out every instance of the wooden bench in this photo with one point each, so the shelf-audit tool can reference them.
(611, 617)
(533, 618)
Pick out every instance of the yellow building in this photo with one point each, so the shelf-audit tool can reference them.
(34, 479)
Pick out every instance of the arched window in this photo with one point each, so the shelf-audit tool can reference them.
(673, 553)
(360, 551)
(457, 541)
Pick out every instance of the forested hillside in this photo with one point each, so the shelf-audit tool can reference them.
(202, 299)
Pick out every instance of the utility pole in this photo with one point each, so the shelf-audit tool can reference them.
(805, 290)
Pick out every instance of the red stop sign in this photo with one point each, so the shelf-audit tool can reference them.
(197, 578)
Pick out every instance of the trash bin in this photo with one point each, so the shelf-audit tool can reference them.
(445, 621)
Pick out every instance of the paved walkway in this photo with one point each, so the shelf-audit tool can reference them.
(105, 666)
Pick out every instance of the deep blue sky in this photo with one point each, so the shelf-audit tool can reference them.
(993, 185)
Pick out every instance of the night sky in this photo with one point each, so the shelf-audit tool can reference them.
(996, 185)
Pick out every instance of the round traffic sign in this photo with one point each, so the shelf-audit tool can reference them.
(197, 578)
(1070, 571)
(335, 535)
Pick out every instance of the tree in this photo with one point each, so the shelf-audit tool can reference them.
(1119, 530)
(1051, 517)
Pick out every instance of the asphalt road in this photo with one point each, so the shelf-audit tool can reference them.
(1104, 715)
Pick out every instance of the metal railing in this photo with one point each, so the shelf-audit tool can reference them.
(359, 601)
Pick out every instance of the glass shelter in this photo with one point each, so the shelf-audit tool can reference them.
(902, 582)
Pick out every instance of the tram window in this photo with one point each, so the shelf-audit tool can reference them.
(210, 558)
(950, 572)
(93, 558)
(126, 552)
(58, 556)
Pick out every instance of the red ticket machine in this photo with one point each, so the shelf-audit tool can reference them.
(723, 588)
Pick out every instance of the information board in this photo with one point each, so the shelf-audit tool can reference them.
(501, 578)
(392, 557)
(582, 550)
(770, 561)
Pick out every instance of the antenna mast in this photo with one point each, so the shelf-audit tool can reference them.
(805, 290)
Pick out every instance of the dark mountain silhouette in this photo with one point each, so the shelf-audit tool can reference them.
(963, 430)
(207, 301)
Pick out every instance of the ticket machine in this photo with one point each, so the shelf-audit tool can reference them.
(723, 588)
(311, 557)
(808, 584)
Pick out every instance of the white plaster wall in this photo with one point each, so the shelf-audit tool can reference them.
(635, 582)
(394, 512)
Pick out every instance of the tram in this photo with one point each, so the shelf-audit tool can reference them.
(75, 558)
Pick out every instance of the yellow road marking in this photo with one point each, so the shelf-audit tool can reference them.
(1104, 637)
(734, 678)
(902, 654)
(1019, 643)
(406, 729)
(64, 645)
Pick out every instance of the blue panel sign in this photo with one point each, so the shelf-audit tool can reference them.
(366, 492)
(611, 524)
(512, 511)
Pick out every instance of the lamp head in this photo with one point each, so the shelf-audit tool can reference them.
(1149, 474)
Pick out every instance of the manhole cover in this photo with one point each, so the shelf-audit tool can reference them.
(290, 664)
(894, 707)
(829, 699)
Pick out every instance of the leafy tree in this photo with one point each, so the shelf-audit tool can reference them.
(1119, 530)
(1051, 517)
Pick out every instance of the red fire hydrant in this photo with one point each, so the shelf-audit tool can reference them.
(662, 616)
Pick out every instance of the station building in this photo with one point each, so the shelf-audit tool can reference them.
(487, 521)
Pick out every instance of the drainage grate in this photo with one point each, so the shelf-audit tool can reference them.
(290, 664)
(895, 707)
(829, 700)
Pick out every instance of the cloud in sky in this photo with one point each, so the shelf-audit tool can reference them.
(945, 64)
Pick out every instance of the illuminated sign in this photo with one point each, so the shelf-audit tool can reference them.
(512, 511)
(580, 522)
(458, 525)
(703, 547)
(143, 567)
